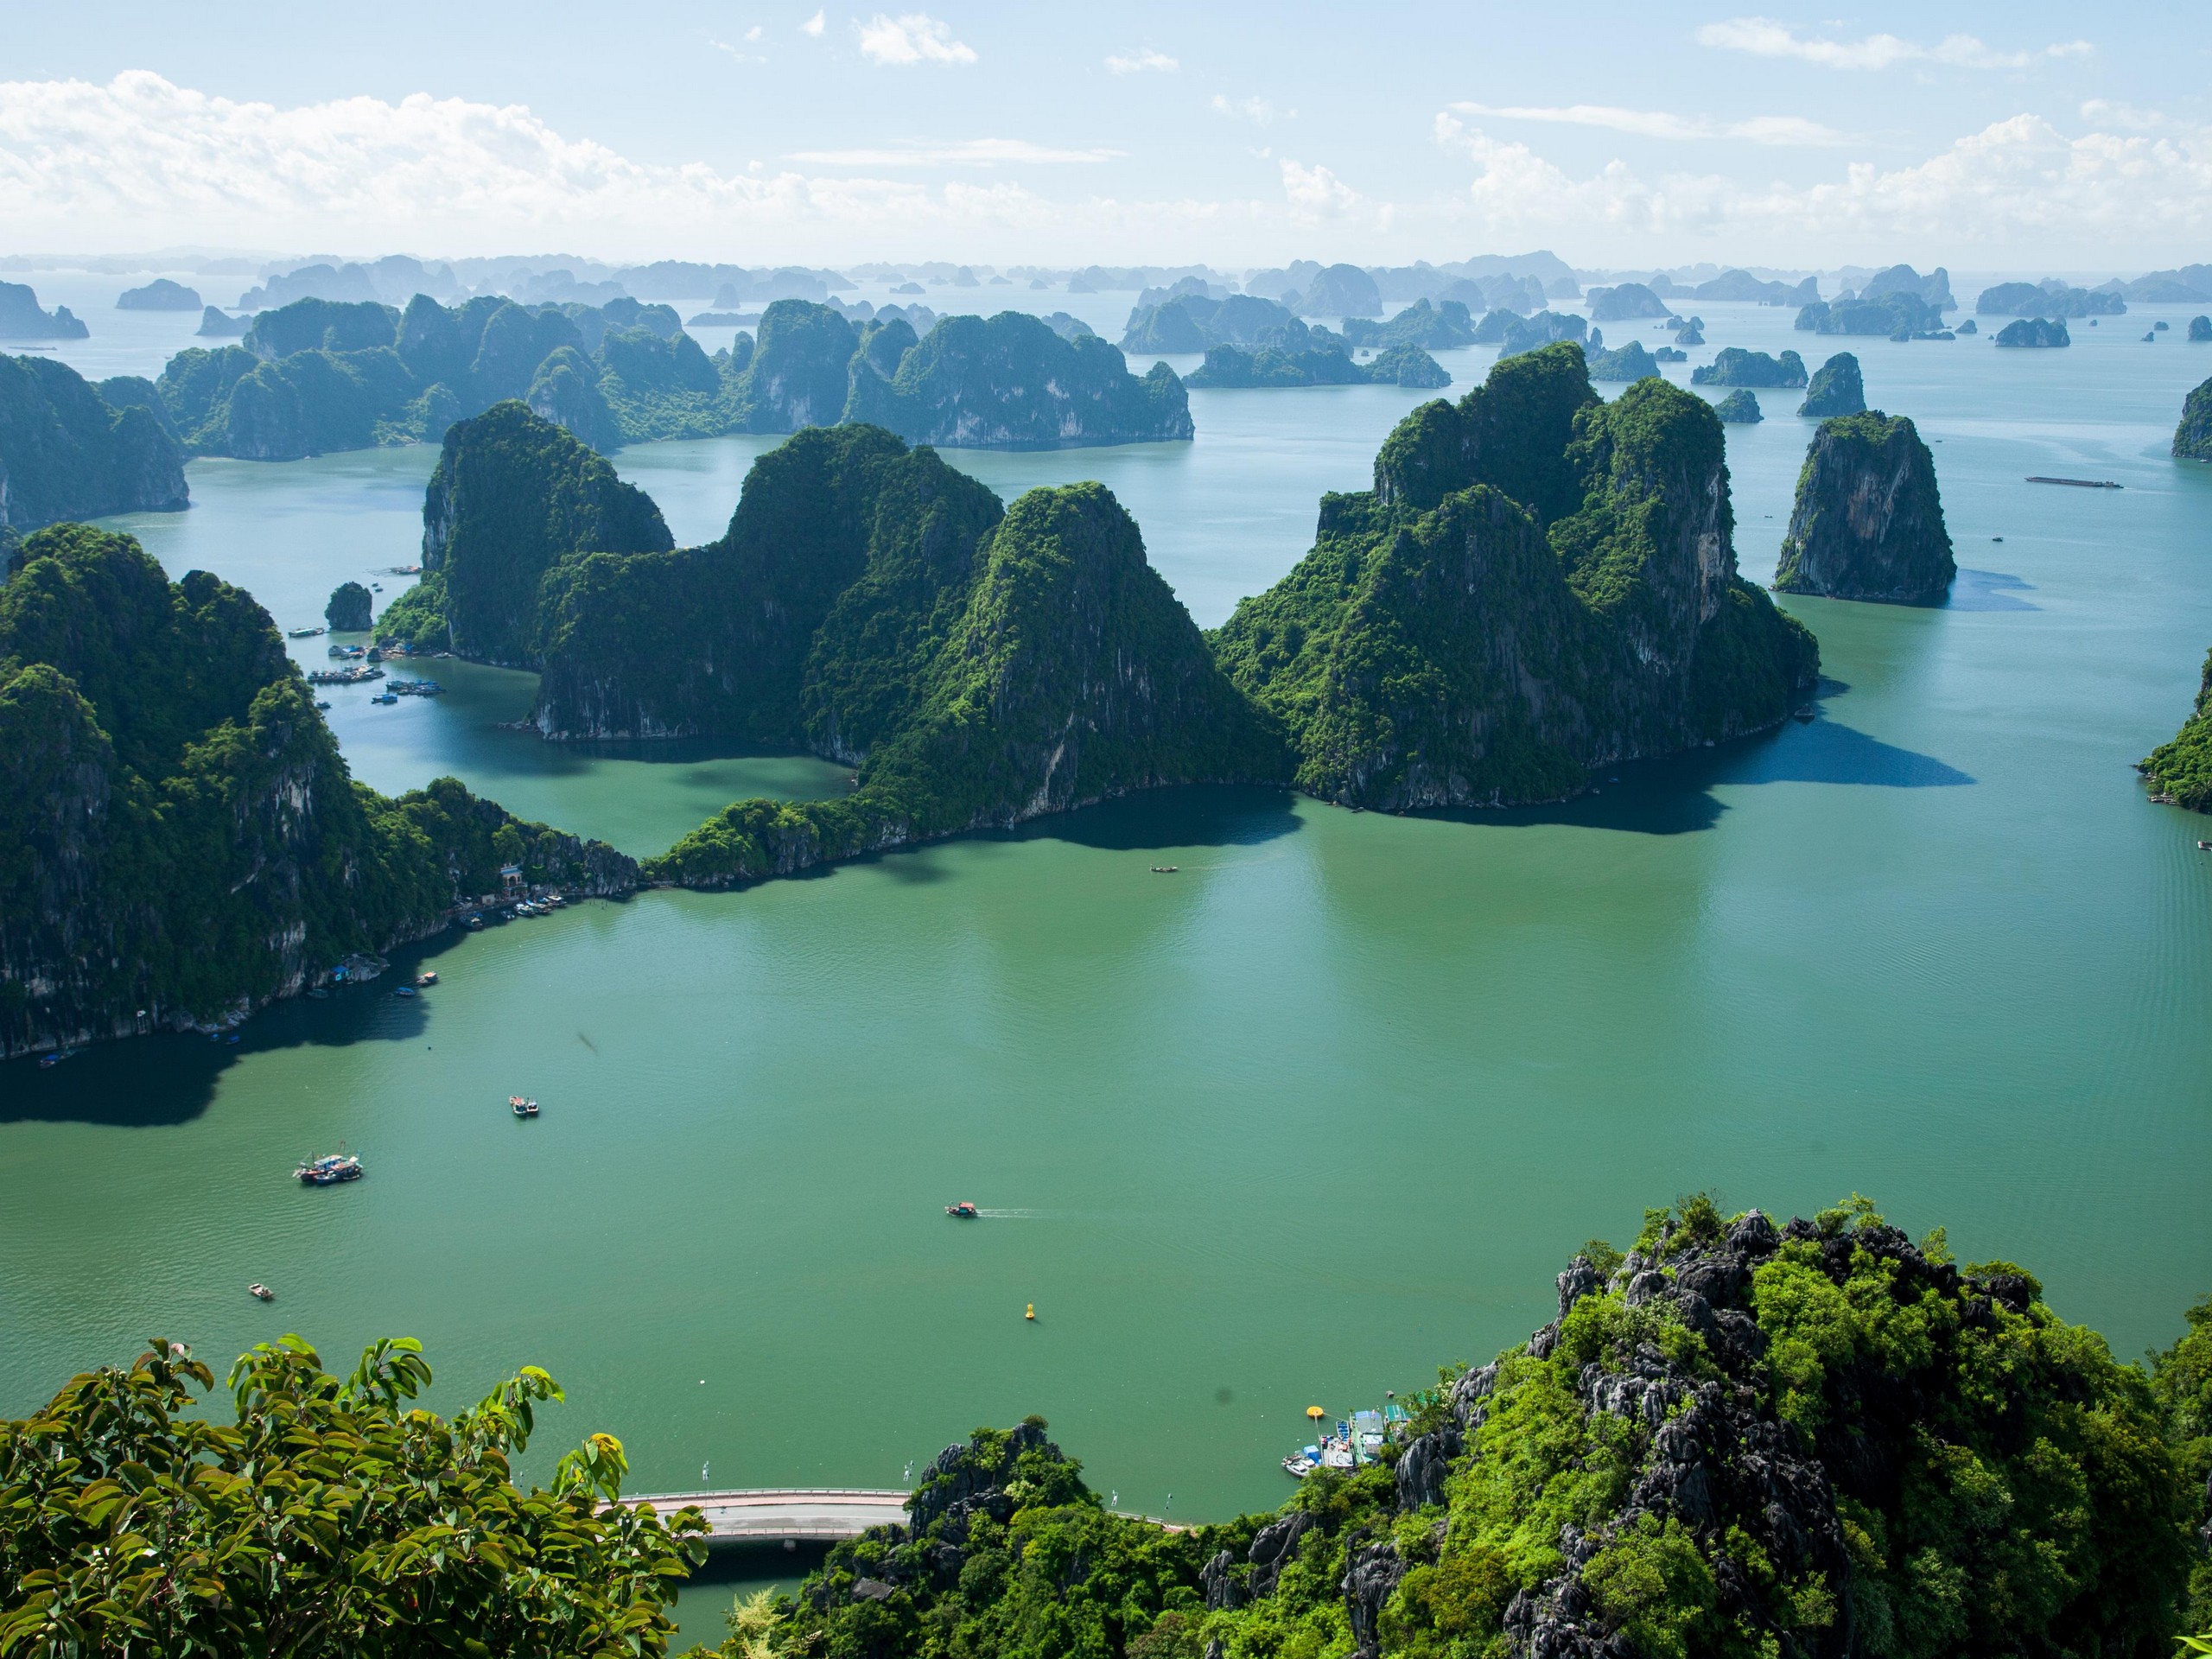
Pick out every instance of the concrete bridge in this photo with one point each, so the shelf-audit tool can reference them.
(785, 1515)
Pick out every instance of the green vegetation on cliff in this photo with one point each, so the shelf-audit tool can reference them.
(1739, 408)
(1540, 583)
(1734, 366)
(1735, 1441)
(68, 452)
(329, 1517)
(2180, 771)
(179, 837)
(1868, 521)
(348, 611)
(2034, 332)
(1628, 362)
(512, 494)
(2193, 435)
(1231, 366)
(1837, 389)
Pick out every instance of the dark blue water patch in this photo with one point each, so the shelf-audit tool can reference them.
(1990, 590)
(1199, 815)
(170, 1077)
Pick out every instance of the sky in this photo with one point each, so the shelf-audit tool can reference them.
(2056, 138)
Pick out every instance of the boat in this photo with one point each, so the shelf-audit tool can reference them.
(303, 633)
(329, 1170)
(2204, 846)
(521, 1106)
(1164, 869)
(384, 697)
(2076, 483)
(1298, 1465)
(963, 1209)
(428, 976)
(1805, 715)
(325, 706)
(57, 1057)
(261, 1292)
(403, 990)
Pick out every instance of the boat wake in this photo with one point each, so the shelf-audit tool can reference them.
(1010, 1215)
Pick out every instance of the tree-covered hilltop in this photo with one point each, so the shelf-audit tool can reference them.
(2180, 772)
(1513, 334)
(1443, 327)
(23, 318)
(1734, 366)
(2034, 334)
(1234, 367)
(1868, 520)
(180, 840)
(1627, 301)
(2052, 297)
(1736, 1440)
(1739, 408)
(1628, 362)
(512, 494)
(1897, 314)
(1009, 382)
(67, 452)
(329, 1517)
(1196, 322)
(1837, 388)
(160, 295)
(1049, 668)
(1538, 584)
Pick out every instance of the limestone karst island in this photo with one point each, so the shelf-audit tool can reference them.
(976, 832)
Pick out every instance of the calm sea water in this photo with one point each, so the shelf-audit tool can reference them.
(1293, 1125)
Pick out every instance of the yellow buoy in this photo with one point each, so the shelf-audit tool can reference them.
(1030, 1311)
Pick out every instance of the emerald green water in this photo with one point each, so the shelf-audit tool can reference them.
(1327, 1107)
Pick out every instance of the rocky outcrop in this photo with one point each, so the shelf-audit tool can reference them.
(1538, 584)
(1622, 363)
(1933, 290)
(2034, 332)
(1738, 408)
(1868, 522)
(1197, 322)
(2179, 773)
(2200, 330)
(160, 295)
(1624, 303)
(217, 324)
(67, 453)
(1514, 336)
(1897, 315)
(2050, 298)
(1370, 1579)
(1339, 291)
(183, 858)
(1228, 366)
(512, 495)
(1837, 389)
(348, 611)
(1734, 366)
(21, 317)
(2193, 436)
(1443, 327)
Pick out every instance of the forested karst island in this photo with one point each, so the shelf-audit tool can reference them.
(319, 375)
(183, 841)
(1868, 521)
(68, 451)
(1733, 1439)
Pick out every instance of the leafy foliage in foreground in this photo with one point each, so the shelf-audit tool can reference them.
(1736, 1441)
(328, 1518)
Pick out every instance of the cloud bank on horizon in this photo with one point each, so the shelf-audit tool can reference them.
(140, 159)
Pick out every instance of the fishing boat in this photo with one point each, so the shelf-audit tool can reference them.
(1804, 716)
(428, 976)
(403, 990)
(59, 1055)
(521, 1106)
(1165, 869)
(261, 1292)
(329, 1170)
(384, 697)
(303, 633)
(964, 1211)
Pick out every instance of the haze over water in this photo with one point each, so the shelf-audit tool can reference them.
(1323, 1110)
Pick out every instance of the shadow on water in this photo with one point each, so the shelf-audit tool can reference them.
(1990, 590)
(732, 1570)
(1675, 795)
(170, 1079)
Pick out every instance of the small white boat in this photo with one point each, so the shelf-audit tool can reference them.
(1297, 1465)
(522, 1105)
(261, 1292)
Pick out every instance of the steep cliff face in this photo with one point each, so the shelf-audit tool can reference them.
(1009, 382)
(1868, 522)
(2193, 436)
(1539, 584)
(1066, 672)
(1837, 389)
(179, 839)
(66, 453)
(512, 494)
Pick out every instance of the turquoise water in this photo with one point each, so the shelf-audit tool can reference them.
(1325, 1108)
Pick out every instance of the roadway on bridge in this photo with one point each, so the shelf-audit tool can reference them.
(801, 1514)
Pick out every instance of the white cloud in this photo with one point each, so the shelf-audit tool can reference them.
(738, 53)
(813, 26)
(2017, 188)
(1316, 193)
(911, 37)
(1659, 123)
(1763, 37)
(1137, 62)
(1258, 111)
(973, 152)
